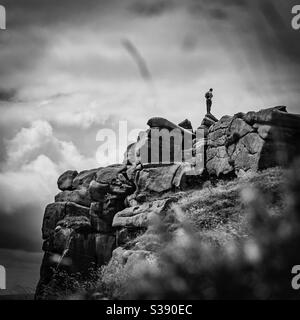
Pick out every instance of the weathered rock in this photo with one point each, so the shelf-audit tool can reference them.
(219, 166)
(112, 205)
(132, 171)
(207, 121)
(156, 179)
(212, 117)
(54, 212)
(101, 221)
(109, 174)
(65, 181)
(238, 127)
(124, 235)
(131, 258)
(140, 216)
(73, 209)
(165, 124)
(97, 208)
(98, 190)
(57, 211)
(61, 239)
(100, 225)
(122, 190)
(82, 252)
(131, 200)
(186, 124)
(252, 141)
(187, 175)
(270, 115)
(84, 178)
(105, 244)
(80, 196)
(80, 224)
(220, 152)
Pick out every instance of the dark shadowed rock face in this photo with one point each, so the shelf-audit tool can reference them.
(110, 174)
(84, 178)
(208, 120)
(186, 124)
(100, 209)
(80, 196)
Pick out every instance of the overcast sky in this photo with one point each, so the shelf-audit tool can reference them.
(69, 68)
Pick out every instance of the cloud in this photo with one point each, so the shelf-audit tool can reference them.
(7, 95)
(36, 144)
(150, 8)
(27, 13)
(218, 14)
(30, 185)
(22, 229)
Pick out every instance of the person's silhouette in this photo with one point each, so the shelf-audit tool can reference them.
(208, 97)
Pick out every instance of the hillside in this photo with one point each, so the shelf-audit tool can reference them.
(177, 186)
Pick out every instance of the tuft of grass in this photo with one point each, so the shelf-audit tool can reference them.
(219, 213)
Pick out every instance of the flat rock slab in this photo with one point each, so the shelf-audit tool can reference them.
(140, 216)
(162, 123)
(157, 179)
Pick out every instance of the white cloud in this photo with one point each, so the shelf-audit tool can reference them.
(33, 185)
(39, 139)
(35, 159)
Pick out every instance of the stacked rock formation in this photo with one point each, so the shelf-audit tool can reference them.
(77, 227)
(252, 141)
(102, 209)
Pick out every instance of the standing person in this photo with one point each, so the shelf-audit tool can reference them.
(208, 97)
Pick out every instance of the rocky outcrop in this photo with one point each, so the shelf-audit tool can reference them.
(77, 228)
(252, 141)
(100, 209)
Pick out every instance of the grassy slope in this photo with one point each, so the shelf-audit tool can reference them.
(219, 213)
